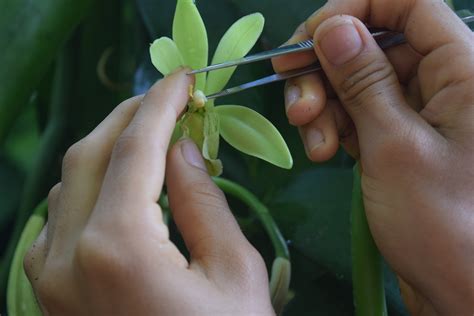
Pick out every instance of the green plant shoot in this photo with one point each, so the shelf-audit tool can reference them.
(241, 127)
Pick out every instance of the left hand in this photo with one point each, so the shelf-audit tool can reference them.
(106, 250)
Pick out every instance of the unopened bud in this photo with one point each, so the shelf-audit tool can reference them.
(199, 99)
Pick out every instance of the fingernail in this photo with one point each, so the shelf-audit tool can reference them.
(292, 94)
(314, 139)
(191, 154)
(341, 43)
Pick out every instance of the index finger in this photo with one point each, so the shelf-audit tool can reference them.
(427, 24)
(137, 165)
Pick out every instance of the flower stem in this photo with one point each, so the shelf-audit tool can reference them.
(260, 210)
(367, 272)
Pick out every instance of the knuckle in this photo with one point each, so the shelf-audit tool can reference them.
(368, 79)
(96, 259)
(72, 156)
(53, 194)
(78, 154)
(28, 261)
(248, 262)
(127, 144)
(411, 147)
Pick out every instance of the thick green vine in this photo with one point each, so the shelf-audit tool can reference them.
(367, 270)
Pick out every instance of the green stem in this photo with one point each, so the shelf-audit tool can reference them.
(260, 210)
(367, 272)
(51, 143)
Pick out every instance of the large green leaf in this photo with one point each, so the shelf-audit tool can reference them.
(31, 33)
(236, 43)
(165, 55)
(253, 134)
(189, 34)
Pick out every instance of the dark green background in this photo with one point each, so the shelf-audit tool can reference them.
(41, 117)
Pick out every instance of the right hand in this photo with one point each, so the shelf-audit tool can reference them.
(408, 114)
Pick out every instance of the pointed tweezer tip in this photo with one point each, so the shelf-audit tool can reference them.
(193, 72)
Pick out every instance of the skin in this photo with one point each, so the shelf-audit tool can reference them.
(408, 114)
(106, 241)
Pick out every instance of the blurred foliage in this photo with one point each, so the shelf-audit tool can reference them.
(46, 104)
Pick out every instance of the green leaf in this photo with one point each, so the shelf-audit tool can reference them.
(31, 35)
(251, 133)
(236, 43)
(189, 34)
(165, 55)
(193, 127)
(20, 297)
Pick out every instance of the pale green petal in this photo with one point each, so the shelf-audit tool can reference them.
(253, 134)
(165, 55)
(214, 167)
(177, 134)
(236, 43)
(192, 125)
(189, 34)
(210, 147)
(203, 129)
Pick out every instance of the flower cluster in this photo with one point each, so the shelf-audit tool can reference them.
(241, 127)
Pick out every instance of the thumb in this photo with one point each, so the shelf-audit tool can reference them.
(361, 75)
(202, 215)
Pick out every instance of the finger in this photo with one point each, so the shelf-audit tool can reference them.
(345, 128)
(431, 28)
(364, 80)
(53, 199)
(320, 136)
(427, 24)
(137, 164)
(305, 98)
(404, 60)
(84, 167)
(298, 60)
(201, 212)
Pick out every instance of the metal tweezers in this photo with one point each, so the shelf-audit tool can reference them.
(384, 38)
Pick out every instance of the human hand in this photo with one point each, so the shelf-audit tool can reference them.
(106, 250)
(408, 114)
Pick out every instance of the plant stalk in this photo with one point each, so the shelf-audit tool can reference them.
(367, 270)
